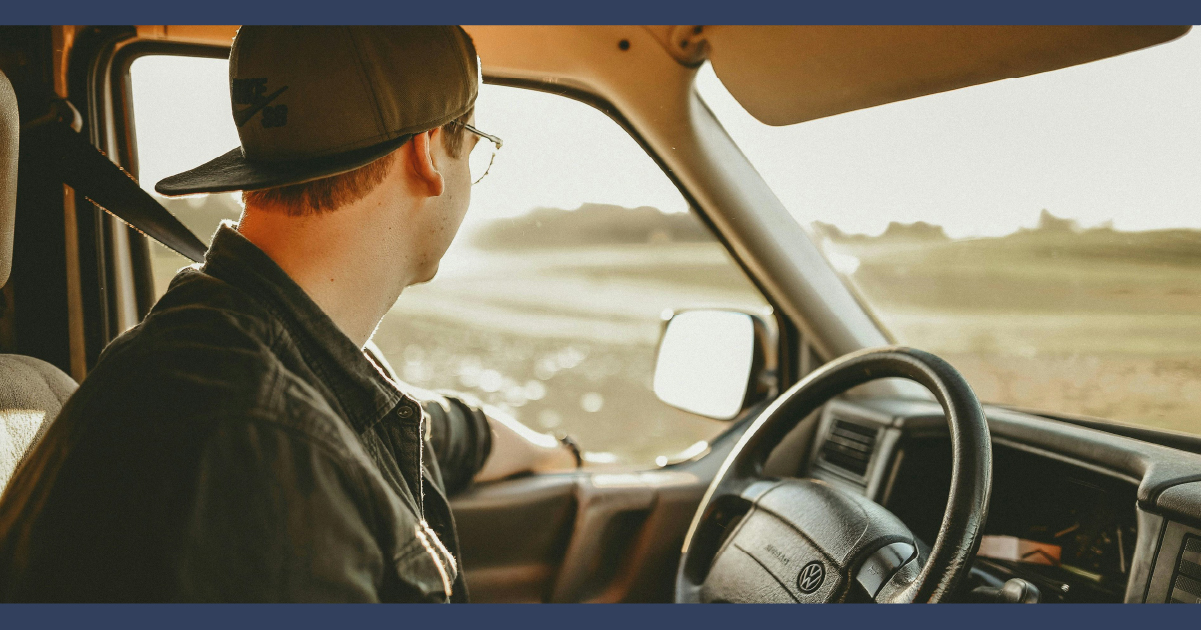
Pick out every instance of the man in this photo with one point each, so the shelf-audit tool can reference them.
(238, 444)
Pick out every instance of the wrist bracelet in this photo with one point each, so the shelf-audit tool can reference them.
(570, 443)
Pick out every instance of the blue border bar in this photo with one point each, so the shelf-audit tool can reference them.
(614, 617)
(602, 617)
(600, 12)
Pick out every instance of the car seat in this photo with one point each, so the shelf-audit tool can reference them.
(32, 391)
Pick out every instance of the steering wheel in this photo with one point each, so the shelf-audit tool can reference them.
(758, 539)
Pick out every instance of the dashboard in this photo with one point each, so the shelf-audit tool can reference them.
(1069, 530)
(1084, 515)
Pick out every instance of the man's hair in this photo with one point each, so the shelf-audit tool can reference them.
(331, 193)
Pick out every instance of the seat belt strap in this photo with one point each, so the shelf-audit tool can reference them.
(82, 166)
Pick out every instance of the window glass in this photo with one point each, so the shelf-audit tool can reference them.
(549, 303)
(182, 118)
(1041, 233)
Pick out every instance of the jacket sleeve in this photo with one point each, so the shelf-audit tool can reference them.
(458, 432)
(278, 516)
(460, 436)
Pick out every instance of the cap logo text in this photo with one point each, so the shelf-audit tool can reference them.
(251, 94)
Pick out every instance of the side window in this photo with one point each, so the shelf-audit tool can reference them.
(549, 303)
(181, 118)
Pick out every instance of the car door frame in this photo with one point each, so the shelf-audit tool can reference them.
(616, 535)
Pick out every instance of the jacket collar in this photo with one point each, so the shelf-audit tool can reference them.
(364, 393)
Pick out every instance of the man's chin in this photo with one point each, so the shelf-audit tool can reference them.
(426, 277)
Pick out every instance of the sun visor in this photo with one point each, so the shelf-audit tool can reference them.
(789, 74)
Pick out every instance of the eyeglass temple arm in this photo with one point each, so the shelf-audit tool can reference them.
(495, 140)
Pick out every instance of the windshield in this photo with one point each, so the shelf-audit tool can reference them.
(1042, 234)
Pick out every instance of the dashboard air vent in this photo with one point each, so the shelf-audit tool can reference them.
(849, 446)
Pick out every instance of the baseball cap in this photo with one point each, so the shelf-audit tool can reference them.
(315, 101)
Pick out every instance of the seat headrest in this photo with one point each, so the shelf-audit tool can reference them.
(10, 131)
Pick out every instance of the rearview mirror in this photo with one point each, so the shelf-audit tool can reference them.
(711, 362)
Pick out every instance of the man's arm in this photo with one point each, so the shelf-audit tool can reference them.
(517, 448)
(479, 442)
(474, 441)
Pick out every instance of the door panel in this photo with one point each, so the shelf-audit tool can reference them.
(576, 537)
(513, 535)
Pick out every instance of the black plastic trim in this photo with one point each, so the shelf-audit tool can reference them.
(93, 47)
(1171, 439)
(126, 135)
(1163, 529)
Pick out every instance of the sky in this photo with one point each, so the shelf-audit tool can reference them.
(1114, 140)
(1118, 140)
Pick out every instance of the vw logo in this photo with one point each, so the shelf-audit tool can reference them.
(811, 577)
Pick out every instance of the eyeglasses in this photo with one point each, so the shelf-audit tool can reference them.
(482, 154)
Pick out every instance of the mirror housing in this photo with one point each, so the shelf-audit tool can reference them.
(715, 363)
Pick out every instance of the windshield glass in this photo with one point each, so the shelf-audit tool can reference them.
(1042, 234)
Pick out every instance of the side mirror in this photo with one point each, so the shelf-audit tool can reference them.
(715, 363)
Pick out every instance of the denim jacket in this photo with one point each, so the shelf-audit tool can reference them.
(237, 446)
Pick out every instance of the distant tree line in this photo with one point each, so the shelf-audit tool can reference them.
(922, 231)
(1053, 236)
(591, 224)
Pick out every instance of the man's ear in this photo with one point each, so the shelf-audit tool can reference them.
(424, 166)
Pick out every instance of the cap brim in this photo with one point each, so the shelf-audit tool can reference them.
(233, 171)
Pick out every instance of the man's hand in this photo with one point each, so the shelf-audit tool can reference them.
(517, 449)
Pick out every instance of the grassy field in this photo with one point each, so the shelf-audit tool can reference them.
(564, 339)
(1095, 322)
